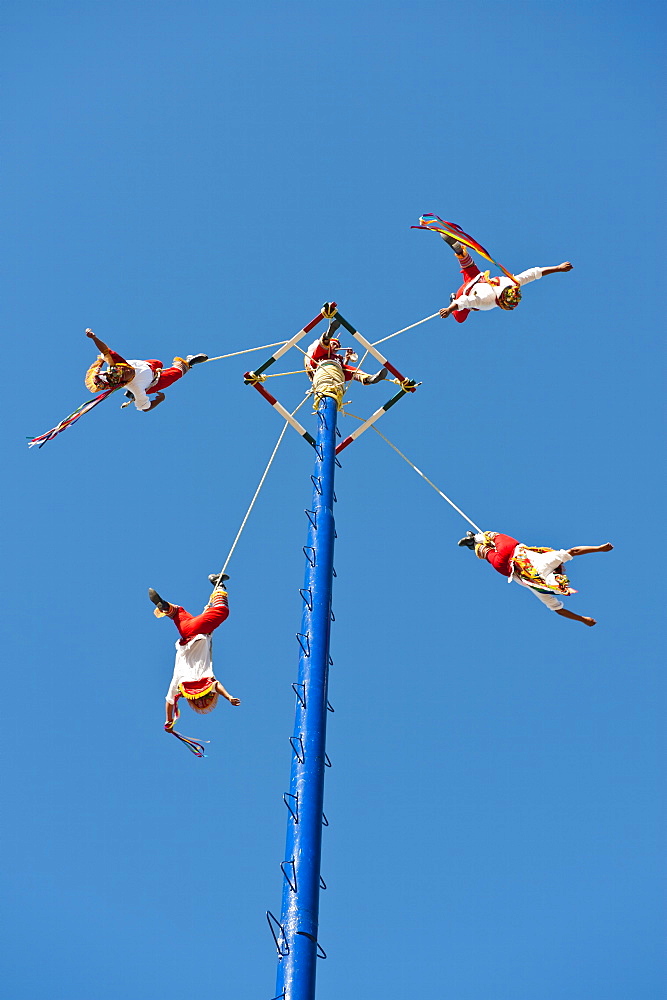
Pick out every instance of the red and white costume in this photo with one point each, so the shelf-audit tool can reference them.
(502, 550)
(481, 293)
(149, 377)
(194, 665)
(318, 353)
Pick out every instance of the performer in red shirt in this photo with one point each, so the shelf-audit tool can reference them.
(193, 676)
(327, 348)
(539, 569)
(480, 292)
(139, 377)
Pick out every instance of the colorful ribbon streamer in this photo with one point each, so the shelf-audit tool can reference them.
(193, 745)
(41, 440)
(438, 225)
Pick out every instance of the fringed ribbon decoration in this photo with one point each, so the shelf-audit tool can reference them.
(71, 419)
(438, 225)
(523, 568)
(195, 747)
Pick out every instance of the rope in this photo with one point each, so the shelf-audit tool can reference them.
(261, 483)
(235, 354)
(249, 350)
(411, 327)
(328, 380)
(255, 378)
(358, 368)
(261, 378)
(420, 473)
(382, 340)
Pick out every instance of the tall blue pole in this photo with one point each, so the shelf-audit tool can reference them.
(298, 940)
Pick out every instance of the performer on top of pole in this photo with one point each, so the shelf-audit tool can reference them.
(139, 377)
(193, 676)
(539, 569)
(328, 349)
(480, 292)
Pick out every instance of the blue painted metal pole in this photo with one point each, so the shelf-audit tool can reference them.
(301, 868)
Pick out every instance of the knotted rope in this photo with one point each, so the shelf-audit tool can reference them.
(328, 380)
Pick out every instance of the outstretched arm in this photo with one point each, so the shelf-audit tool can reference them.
(565, 266)
(101, 346)
(225, 694)
(564, 613)
(449, 310)
(584, 550)
(170, 715)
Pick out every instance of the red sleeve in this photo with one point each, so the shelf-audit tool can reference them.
(501, 557)
(117, 358)
(320, 352)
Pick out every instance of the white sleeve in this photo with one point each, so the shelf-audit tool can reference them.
(550, 600)
(532, 274)
(465, 302)
(482, 297)
(173, 690)
(141, 400)
(563, 555)
(475, 301)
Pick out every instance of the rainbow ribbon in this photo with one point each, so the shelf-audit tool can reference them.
(438, 225)
(195, 747)
(41, 440)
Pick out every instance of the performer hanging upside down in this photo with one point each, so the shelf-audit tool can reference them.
(139, 377)
(480, 292)
(328, 349)
(539, 569)
(193, 677)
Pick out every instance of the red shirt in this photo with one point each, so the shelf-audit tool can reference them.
(501, 557)
(321, 353)
(151, 362)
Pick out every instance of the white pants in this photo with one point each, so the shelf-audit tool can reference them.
(546, 564)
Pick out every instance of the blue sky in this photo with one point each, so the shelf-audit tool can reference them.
(201, 177)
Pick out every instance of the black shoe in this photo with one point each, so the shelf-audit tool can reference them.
(129, 395)
(196, 359)
(157, 600)
(468, 541)
(333, 325)
(213, 579)
(454, 244)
